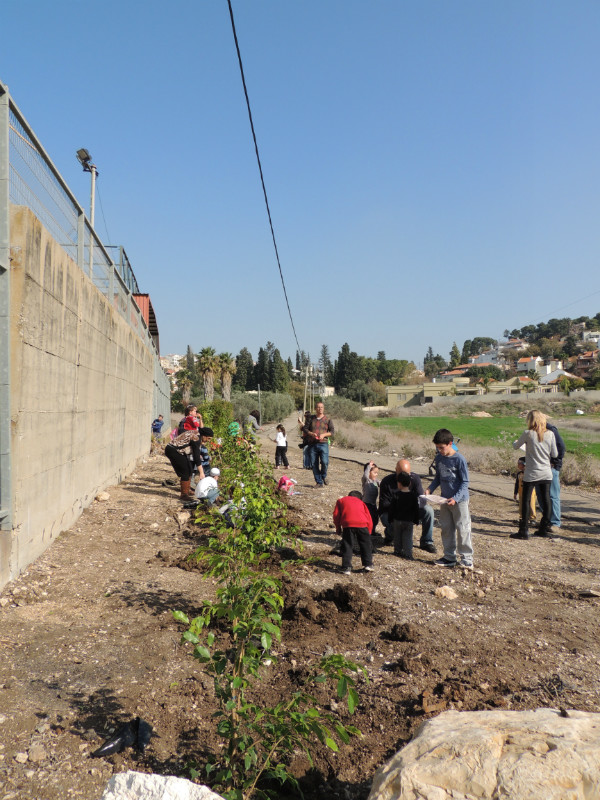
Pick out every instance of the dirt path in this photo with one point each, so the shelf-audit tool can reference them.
(88, 639)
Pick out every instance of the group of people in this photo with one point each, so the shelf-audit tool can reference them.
(399, 501)
(403, 503)
(189, 455)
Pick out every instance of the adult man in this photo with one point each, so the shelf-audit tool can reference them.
(388, 488)
(319, 430)
(556, 465)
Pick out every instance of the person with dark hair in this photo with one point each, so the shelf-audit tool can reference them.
(519, 492)
(556, 466)
(452, 475)
(184, 454)
(303, 424)
(281, 459)
(191, 419)
(388, 488)
(318, 432)
(252, 425)
(370, 490)
(403, 515)
(351, 518)
(157, 425)
(205, 435)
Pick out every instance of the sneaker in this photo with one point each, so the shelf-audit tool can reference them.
(346, 572)
(429, 547)
(466, 564)
(325, 481)
(368, 569)
(444, 562)
(319, 486)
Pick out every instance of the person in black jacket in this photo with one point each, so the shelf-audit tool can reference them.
(403, 515)
(556, 465)
(387, 490)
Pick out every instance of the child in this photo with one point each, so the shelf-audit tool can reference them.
(403, 515)
(452, 474)
(519, 492)
(281, 459)
(370, 490)
(208, 488)
(351, 516)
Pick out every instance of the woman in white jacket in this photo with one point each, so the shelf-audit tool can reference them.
(540, 447)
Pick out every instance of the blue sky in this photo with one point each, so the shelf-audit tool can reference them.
(432, 166)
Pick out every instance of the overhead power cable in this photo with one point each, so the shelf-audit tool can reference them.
(262, 180)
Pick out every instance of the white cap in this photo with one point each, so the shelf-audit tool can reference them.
(215, 471)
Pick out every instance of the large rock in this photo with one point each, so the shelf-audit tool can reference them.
(480, 755)
(140, 786)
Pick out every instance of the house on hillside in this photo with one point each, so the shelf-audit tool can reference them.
(528, 362)
(585, 363)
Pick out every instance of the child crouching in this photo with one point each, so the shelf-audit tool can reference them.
(351, 516)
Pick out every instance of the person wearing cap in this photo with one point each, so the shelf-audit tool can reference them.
(208, 488)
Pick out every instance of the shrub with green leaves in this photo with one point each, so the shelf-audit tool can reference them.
(343, 408)
(233, 638)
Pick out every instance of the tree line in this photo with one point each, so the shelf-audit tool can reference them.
(357, 377)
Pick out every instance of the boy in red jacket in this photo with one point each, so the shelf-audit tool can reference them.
(352, 517)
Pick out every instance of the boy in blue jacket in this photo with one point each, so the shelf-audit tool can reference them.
(452, 474)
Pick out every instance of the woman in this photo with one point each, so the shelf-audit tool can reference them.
(540, 447)
(185, 456)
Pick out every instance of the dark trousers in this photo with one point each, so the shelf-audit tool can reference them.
(542, 491)
(363, 537)
(280, 456)
(180, 462)
(374, 514)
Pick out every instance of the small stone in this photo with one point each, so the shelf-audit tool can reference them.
(4, 601)
(21, 758)
(37, 753)
(102, 497)
(446, 591)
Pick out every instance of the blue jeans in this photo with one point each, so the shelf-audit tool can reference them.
(319, 452)
(426, 520)
(555, 498)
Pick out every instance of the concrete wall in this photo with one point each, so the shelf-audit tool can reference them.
(82, 393)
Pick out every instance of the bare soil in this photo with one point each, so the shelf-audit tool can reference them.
(88, 639)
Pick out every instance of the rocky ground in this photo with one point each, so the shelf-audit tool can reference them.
(88, 639)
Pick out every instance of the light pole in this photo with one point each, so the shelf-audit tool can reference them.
(85, 159)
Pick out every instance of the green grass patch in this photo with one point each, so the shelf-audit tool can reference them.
(484, 431)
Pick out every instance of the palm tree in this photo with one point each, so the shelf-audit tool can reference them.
(227, 365)
(184, 383)
(208, 365)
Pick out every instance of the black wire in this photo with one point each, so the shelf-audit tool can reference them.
(262, 180)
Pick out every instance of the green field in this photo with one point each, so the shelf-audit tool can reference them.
(497, 431)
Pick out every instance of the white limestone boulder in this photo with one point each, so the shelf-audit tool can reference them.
(480, 755)
(141, 786)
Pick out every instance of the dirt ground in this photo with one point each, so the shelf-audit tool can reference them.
(88, 639)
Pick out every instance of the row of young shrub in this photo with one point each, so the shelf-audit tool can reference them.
(235, 634)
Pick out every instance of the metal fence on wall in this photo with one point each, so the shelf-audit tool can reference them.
(29, 178)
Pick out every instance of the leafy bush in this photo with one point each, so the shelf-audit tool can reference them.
(234, 636)
(343, 408)
(274, 406)
(216, 415)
